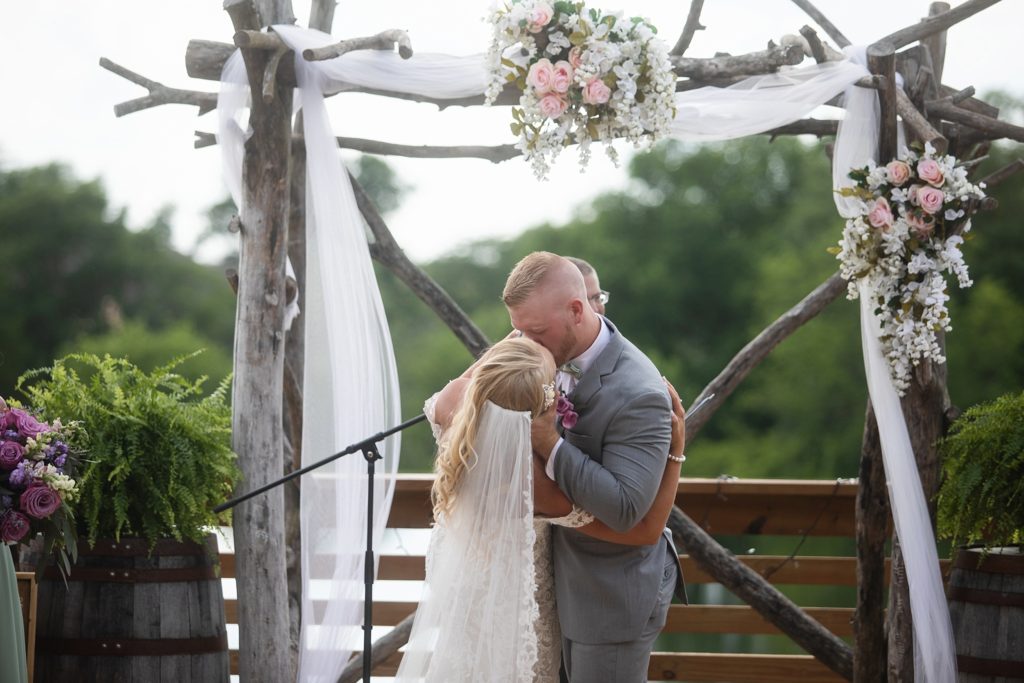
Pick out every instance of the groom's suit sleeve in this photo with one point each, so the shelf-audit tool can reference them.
(619, 490)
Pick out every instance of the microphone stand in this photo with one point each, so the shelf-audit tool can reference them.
(368, 447)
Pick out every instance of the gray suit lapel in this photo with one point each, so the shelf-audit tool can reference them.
(591, 381)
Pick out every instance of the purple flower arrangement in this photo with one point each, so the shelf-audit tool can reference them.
(566, 412)
(35, 484)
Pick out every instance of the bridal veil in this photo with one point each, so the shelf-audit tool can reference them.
(475, 620)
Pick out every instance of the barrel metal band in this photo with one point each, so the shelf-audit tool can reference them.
(134, 547)
(130, 575)
(132, 647)
(979, 596)
(993, 563)
(990, 667)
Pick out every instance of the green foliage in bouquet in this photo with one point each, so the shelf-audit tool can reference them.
(981, 500)
(158, 457)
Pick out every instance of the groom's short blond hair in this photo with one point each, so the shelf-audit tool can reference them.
(528, 274)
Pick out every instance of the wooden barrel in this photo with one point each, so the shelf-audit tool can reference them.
(986, 605)
(126, 615)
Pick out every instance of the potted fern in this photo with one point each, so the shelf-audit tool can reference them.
(981, 500)
(157, 460)
(981, 508)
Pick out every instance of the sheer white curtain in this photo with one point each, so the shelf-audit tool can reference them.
(351, 389)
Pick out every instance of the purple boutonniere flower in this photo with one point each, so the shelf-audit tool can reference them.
(565, 412)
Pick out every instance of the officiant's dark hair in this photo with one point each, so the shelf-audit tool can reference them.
(511, 375)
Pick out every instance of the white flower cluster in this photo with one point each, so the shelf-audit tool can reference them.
(907, 235)
(584, 76)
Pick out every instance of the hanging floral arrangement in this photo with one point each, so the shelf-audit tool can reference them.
(584, 75)
(913, 215)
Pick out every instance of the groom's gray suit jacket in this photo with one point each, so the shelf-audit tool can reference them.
(610, 464)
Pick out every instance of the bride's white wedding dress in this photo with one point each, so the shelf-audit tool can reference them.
(487, 612)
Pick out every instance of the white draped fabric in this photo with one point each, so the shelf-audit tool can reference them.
(350, 385)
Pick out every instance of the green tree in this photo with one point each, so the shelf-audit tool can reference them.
(75, 269)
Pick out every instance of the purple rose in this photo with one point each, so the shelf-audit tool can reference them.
(29, 426)
(40, 501)
(13, 527)
(569, 419)
(11, 453)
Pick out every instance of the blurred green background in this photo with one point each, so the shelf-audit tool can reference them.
(700, 250)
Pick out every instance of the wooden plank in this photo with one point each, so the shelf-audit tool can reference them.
(743, 619)
(706, 668)
(384, 613)
(749, 506)
(738, 668)
(800, 570)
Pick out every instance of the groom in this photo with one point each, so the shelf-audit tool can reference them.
(612, 599)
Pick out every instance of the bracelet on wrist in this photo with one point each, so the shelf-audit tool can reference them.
(677, 458)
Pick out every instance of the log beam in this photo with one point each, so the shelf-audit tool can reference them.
(385, 40)
(158, 93)
(822, 21)
(872, 522)
(385, 250)
(758, 349)
(691, 27)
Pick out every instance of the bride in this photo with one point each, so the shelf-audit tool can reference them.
(487, 611)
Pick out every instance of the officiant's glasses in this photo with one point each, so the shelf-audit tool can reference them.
(601, 297)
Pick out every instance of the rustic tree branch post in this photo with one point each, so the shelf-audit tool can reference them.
(869, 650)
(294, 366)
(264, 652)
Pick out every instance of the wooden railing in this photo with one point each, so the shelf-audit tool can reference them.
(725, 508)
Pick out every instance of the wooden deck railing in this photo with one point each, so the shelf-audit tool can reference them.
(724, 508)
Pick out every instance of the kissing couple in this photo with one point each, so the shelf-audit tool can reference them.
(557, 464)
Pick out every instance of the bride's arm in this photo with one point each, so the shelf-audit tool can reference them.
(649, 529)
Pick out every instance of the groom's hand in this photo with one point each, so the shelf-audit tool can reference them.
(543, 434)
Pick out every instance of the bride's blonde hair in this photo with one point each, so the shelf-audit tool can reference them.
(511, 374)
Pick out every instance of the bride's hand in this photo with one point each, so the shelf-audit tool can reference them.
(678, 443)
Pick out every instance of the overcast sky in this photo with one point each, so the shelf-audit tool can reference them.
(59, 102)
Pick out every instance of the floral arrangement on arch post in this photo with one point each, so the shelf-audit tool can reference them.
(913, 214)
(36, 489)
(584, 76)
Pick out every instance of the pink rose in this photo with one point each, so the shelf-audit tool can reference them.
(13, 527)
(930, 199)
(562, 77)
(596, 92)
(898, 172)
(539, 17)
(39, 501)
(11, 453)
(880, 215)
(930, 172)
(541, 75)
(576, 56)
(920, 223)
(552, 105)
(912, 194)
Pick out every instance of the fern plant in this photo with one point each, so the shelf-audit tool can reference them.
(158, 457)
(981, 500)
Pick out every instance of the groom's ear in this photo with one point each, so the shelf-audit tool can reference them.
(576, 309)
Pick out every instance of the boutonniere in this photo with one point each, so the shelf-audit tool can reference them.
(566, 414)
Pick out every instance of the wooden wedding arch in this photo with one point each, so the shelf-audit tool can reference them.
(268, 361)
